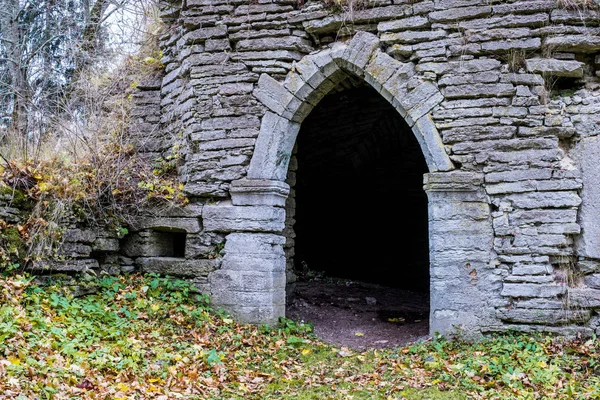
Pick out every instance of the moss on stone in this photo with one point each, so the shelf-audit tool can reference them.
(13, 242)
(18, 198)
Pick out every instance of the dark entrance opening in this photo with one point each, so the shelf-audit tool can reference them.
(361, 212)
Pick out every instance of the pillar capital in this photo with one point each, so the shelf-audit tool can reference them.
(259, 192)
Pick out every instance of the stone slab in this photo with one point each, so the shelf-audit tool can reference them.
(177, 266)
(230, 218)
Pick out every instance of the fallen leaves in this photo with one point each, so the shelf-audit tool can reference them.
(85, 384)
(135, 338)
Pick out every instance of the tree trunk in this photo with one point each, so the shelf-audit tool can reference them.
(12, 35)
(89, 42)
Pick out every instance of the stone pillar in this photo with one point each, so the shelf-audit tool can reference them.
(588, 154)
(251, 282)
(463, 280)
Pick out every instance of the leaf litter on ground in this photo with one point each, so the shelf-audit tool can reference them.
(151, 337)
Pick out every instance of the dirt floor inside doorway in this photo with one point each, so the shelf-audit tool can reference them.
(361, 315)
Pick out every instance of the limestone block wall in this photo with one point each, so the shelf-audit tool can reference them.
(513, 93)
(145, 117)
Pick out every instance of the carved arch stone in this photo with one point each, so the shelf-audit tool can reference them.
(315, 75)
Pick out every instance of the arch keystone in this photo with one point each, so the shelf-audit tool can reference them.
(381, 68)
(358, 52)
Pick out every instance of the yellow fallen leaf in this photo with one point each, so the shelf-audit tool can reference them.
(122, 387)
(306, 352)
(153, 389)
(228, 320)
(359, 334)
(14, 360)
(43, 187)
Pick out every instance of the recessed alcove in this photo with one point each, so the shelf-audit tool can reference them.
(169, 243)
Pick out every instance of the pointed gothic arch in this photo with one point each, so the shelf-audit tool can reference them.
(313, 77)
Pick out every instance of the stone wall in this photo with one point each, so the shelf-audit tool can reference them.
(503, 98)
(515, 104)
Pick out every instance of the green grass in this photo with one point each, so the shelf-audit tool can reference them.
(144, 337)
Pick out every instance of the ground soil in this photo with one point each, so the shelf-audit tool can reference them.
(344, 313)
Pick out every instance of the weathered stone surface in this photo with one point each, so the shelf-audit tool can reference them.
(461, 134)
(543, 316)
(190, 225)
(507, 21)
(202, 34)
(514, 44)
(574, 43)
(592, 280)
(588, 152)
(588, 17)
(276, 134)
(358, 52)
(251, 192)
(545, 200)
(529, 6)
(106, 244)
(532, 290)
(461, 13)
(403, 24)
(532, 269)
(468, 66)
(478, 90)
(75, 250)
(65, 266)
(410, 37)
(177, 266)
(252, 294)
(229, 218)
(431, 144)
(287, 55)
(273, 95)
(588, 266)
(583, 297)
(552, 67)
(288, 43)
(80, 235)
(480, 77)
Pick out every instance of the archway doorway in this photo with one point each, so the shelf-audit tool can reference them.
(251, 282)
(361, 225)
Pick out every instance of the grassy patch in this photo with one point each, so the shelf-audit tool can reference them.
(145, 337)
